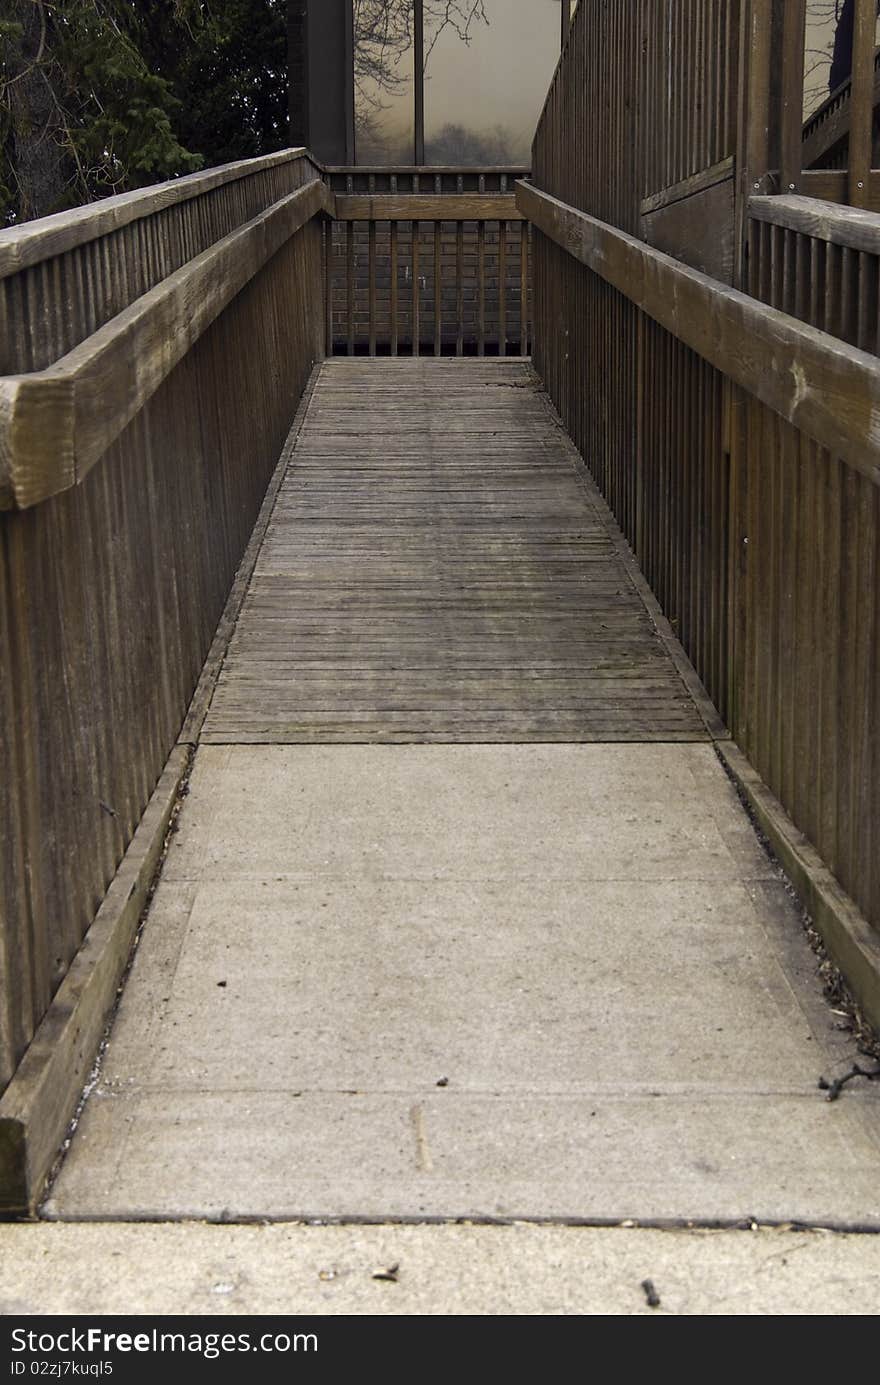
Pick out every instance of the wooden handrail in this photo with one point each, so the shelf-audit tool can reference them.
(28, 244)
(462, 206)
(428, 170)
(56, 423)
(829, 221)
(826, 388)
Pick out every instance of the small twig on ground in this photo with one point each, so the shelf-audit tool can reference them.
(836, 1087)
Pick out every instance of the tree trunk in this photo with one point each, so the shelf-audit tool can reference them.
(37, 148)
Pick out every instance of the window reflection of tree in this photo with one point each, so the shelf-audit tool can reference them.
(383, 40)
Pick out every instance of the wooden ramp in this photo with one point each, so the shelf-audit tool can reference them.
(439, 567)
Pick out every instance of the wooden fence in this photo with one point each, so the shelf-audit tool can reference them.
(137, 436)
(729, 416)
(427, 262)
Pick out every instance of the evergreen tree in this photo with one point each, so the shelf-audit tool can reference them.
(83, 111)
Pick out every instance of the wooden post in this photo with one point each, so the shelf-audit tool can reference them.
(791, 115)
(419, 80)
(862, 102)
(753, 117)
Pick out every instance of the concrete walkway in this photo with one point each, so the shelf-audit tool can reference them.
(300, 1270)
(472, 982)
(439, 982)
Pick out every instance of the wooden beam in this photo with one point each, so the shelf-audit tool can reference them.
(55, 424)
(828, 389)
(752, 97)
(512, 170)
(452, 206)
(862, 102)
(791, 119)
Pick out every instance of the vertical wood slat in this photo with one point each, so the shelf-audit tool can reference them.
(349, 284)
(459, 287)
(328, 288)
(502, 288)
(393, 307)
(862, 101)
(438, 311)
(416, 299)
(524, 288)
(371, 270)
(481, 288)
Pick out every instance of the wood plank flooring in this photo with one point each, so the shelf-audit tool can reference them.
(438, 567)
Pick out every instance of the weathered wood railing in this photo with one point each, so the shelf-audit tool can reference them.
(736, 436)
(153, 351)
(427, 262)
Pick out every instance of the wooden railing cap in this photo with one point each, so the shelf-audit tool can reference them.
(852, 226)
(28, 244)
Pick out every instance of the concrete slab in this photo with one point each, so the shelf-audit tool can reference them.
(520, 986)
(480, 982)
(443, 1270)
(537, 812)
(659, 1157)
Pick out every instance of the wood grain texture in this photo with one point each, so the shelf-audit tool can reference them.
(439, 568)
(412, 207)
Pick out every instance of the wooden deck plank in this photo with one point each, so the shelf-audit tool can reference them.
(439, 568)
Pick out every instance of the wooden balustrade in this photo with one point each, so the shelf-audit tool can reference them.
(427, 262)
(154, 348)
